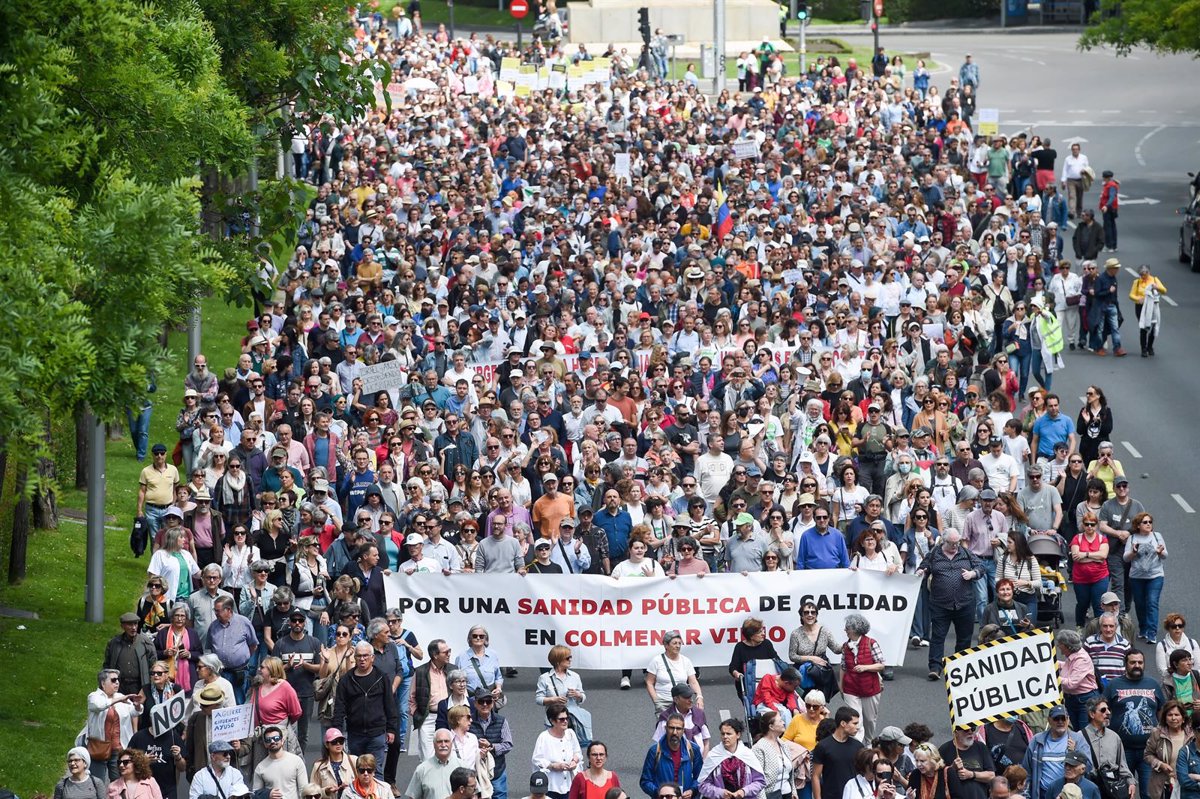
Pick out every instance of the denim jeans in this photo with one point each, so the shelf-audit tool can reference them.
(985, 587)
(369, 744)
(1087, 595)
(154, 517)
(1136, 760)
(1146, 592)
(1105, 327)
(940, 620)
(1110, 229)
(402, 706)
(1077, 708)
(1037, 370)
(920, 623)
(1020, 362)
(500, 786)
(139, 429)
(783, 712)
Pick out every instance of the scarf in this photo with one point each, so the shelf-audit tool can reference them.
(232, 487)
(719, 754)
(364, 786)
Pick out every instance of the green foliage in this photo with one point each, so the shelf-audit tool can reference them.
(1166, 26)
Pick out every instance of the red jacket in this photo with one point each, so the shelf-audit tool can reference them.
(770, 692)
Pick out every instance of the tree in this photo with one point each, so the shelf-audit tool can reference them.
(105, 108)
(1166, 26)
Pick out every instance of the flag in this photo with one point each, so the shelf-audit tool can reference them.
(724, 222)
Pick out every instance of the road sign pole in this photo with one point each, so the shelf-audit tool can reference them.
(518, 25)
(803, 44)
(719, 44)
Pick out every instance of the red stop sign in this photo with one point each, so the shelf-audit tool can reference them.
(519, 8)
(879, 8)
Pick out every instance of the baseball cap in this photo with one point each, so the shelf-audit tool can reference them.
(542, 544)
(743, 518)
(159, 448)
(1120, 480)
(1108, 598)
(987, 495)
(333, 733)
(1058, 711)
(684, 690)
(894, 735)
(1075, 758)
(539, 781)
(412, 539)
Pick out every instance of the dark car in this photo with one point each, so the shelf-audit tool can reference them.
(1189, 228)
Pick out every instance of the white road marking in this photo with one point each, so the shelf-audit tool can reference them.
(1137, 150)
(1083, 400)
(1183, 503)
(1043, 110)
(1131, 272)
(726, 715)
(1132, 451)
(1170, 301)
(1111, 112)
(1075, 139)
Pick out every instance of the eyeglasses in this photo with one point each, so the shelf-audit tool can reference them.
(884, 775)
(125, 762)
(563, 718)
(1089, 524)
(272, 739)
(1176, 626)
(808, 613)
(157, 673)
(478, 636)
(365, 770)
(343, 635)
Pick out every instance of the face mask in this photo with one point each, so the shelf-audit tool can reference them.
(864, 376)
(905, 468)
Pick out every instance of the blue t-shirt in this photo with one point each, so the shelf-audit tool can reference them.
(1051, 431)
(1053, 755)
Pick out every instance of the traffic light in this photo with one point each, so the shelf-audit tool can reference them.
(802, 11)
(644, 24)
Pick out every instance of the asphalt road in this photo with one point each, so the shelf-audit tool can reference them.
(1140, 117)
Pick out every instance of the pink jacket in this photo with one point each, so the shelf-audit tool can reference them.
(1078, 675)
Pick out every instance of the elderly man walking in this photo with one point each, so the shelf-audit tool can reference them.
(952, 569)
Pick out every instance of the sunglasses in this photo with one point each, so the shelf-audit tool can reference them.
(365, 770)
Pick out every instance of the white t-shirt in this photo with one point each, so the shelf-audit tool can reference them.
(669, 673)
(628, 568)
(1000, 470)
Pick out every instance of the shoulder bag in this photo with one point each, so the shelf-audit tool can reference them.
(324, 690)
(581, 720)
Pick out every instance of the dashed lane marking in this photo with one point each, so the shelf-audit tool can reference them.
(1170, 301)
(1183, 504)
(1132, 451)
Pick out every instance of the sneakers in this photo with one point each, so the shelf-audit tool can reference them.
(889, 674)
(1072, 346)
(933, 676)
(624, 683)
(1120, 352)
(924, 642)
(1101, 352)
(915, 641)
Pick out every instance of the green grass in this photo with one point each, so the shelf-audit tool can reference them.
(49, 665)
(465, 17)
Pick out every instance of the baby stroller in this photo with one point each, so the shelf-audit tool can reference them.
(1051, 552)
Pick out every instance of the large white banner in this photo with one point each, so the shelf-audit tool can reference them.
(611, 624)
(1002, 679)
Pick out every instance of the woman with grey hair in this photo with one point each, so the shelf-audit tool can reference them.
(78, 783)
(1078, 676)
(456, 682)
(862, 667)
(668, 669)
(179, 646)
(208, 673)
(103, 704)
(482, 667)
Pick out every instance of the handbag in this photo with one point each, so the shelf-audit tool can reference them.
(1106, 776)
(580, 720)
(1074, 300)
(324, 690)
(99, 749)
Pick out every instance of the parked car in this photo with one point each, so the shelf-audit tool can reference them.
(1189, 229)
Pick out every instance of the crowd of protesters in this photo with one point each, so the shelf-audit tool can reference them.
(838, 354)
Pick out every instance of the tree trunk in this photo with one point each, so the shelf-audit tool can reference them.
(3, 467)
(19, 544)
(81, 450)
(45, 498)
